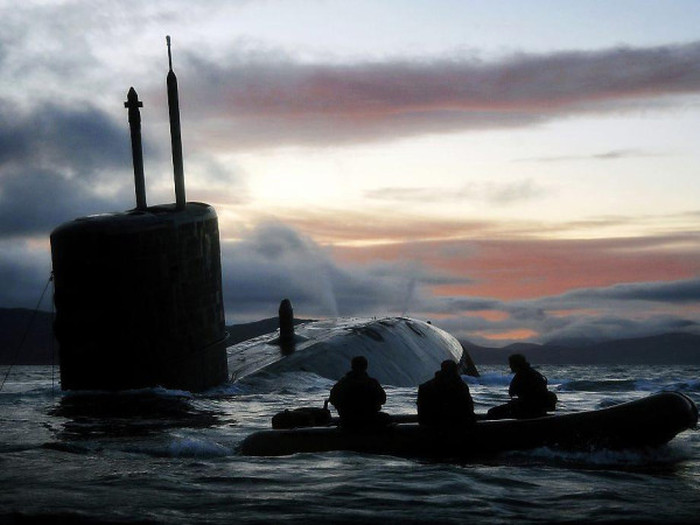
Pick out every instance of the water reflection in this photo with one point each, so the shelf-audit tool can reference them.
(128, 414)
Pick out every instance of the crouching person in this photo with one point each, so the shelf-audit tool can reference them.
(445, 402)
(358, 398)
(528, 391)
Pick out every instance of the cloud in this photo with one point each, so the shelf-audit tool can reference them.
(357, 226)
(270, 262)
(269, 102)
(209, 179)
(57, 164)
(581, 316)
(274, 261)
(85, 142)
(673, 292)
(492, 193)
(604, 156)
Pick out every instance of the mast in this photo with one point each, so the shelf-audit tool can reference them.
(133, 104)
(175, 135)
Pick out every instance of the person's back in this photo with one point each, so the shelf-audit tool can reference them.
(528, 391)
(528, 385)
(357, 397)
(445, 400)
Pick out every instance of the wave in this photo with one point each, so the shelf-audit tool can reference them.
(189, 447)
(156, 391)
(282, 383)
(669, 454)
(173, 447)
(489, 379)
(602, 385)
(678, 385)
(627, 385)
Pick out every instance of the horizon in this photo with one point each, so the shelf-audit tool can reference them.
(512, 173)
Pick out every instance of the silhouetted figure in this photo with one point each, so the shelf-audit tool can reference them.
(445, 400)
(528, 391)
(358, 398)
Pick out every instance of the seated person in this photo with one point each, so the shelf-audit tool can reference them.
(445, 400)
(358, 398)
(528, 391)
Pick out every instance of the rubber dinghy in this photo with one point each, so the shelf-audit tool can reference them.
(647, 422)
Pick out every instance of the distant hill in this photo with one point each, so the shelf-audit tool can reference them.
(665, 349)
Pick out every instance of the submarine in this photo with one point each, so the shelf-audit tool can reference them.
(401, 351)
(139, 301)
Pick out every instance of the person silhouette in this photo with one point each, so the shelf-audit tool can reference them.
(445, 400)
(528, 391)
(358, 398)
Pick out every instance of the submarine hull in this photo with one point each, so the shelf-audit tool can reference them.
(648, 422)
(401, 351)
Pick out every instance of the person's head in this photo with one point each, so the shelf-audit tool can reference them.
(517, 362)
(359, 363)
(449, 368)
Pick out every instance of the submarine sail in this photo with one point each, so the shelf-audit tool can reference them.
(138, 294)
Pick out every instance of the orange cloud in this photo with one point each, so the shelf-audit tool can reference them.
(263, 103)
(523, 269)
(490, 315)
(510, 335)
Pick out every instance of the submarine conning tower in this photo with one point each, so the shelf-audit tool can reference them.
(138, 294)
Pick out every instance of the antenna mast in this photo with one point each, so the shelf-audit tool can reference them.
(133, 104)
(175, 134)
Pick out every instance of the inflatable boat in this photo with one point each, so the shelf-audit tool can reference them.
(647, 422)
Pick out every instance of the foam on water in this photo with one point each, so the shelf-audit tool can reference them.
(197, 448)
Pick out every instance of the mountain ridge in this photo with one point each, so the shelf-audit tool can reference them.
(672, 348)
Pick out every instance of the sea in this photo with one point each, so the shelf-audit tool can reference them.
(161, 456)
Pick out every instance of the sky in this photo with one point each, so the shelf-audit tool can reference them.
(512, 171)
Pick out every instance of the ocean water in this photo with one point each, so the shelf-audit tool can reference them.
(170, 457)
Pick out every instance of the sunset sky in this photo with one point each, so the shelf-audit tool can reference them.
(512, 171)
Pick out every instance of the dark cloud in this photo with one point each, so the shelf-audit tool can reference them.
(532, 323)
(35, 201)
(595, 329)
(84, 142)
(57, 164)
(595, 314)
(274, 261)
(675, 292)
(270, 102)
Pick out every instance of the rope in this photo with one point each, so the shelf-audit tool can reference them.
(52, 344)
(26, 332)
